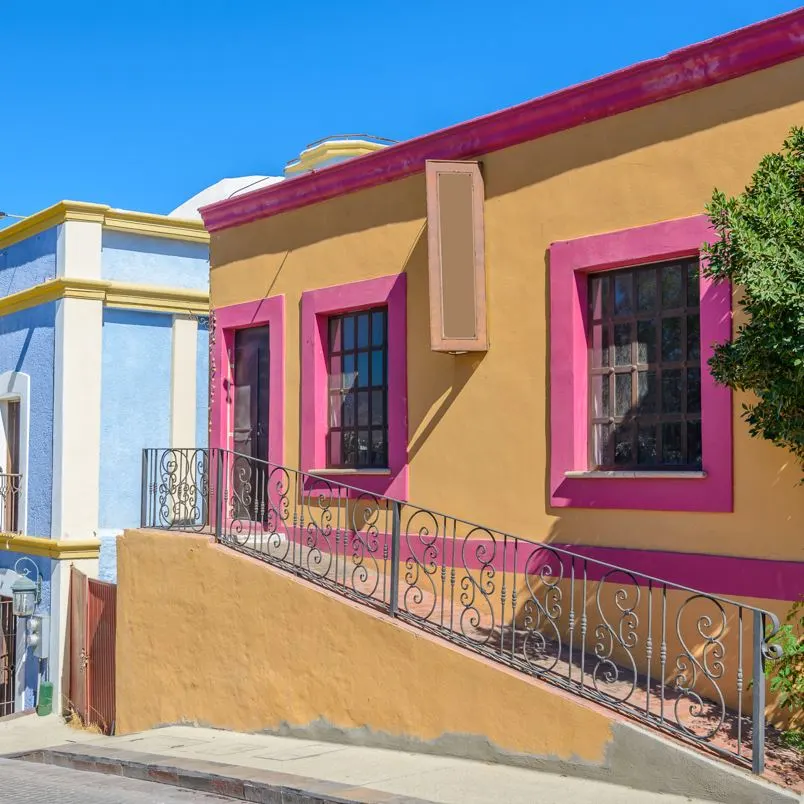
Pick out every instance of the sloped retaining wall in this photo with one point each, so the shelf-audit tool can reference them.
(211, 637)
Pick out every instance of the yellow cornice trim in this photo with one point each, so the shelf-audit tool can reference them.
(144, 223)
(57, 549)
(324, 151)
(120, 220)
(151, 297)
(39, 294)
(76, 288)
(50, 217)
(113, 294)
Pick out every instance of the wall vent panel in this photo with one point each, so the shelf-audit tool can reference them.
(455, 240)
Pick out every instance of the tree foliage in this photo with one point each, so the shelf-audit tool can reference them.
(787, 673)
(760, 249)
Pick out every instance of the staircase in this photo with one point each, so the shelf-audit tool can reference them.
(675, 659)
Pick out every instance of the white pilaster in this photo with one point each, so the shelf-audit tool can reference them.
(76, 424)
(78, 249)
(77, 387)
(183, 382)
(76, 418)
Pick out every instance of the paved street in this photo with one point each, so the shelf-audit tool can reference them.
(24, 782)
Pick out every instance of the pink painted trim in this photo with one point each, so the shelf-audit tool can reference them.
(570, 263)
(733, 576)
(316, 306)
(705, 64)
(228, 320)
(728, 576)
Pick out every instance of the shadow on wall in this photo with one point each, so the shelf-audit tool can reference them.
(442, 376)
(290, 231)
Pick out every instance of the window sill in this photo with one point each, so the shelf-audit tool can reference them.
(352, 472)
(598, 474)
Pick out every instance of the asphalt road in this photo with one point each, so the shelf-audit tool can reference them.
(31, 783)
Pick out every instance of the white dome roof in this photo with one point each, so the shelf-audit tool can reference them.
(220, 191)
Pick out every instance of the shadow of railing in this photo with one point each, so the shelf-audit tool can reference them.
(675, 658)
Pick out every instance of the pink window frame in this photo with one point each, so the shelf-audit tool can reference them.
(228, 320)
(571, 262)
(316, 307)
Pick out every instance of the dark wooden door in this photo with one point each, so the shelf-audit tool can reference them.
(251, 388)
(251, 364)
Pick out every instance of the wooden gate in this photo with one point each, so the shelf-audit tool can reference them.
(93, 616)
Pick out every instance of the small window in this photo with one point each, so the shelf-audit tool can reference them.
(357, 368)
(645, 367)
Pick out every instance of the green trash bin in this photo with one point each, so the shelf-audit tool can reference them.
(45, 703)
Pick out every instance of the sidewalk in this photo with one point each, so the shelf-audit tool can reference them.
(326, 771)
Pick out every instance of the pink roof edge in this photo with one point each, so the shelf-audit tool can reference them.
(741, 52)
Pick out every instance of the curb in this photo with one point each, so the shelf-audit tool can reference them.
(231, 781)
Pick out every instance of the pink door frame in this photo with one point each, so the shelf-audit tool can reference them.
(227, 321)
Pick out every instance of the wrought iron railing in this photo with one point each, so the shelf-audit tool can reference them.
(10, 485)
(683, 661)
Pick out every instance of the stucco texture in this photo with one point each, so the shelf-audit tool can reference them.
(233, 643)
(27, 342)
(28, 263)
(143, 260)
(478, 424)
(135, 407)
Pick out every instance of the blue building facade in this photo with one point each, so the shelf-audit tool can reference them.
(103, 351)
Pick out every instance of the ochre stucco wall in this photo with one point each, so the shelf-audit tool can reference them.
(233, 643)
(478, 424)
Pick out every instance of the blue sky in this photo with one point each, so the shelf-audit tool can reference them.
(140, 105)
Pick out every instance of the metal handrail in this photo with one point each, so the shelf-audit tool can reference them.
(658, 651)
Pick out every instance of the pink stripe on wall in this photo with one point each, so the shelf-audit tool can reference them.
(726, 576)
(719, 575)
(705, 64)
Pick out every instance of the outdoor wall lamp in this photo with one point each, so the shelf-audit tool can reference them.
(26, 594)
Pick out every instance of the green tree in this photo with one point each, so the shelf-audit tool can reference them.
(787, 673)
(760, 249)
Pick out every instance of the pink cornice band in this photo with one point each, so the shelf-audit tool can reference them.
(698, 66)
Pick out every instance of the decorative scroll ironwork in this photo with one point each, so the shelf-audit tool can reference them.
(10, 486)
(675, 658)
(542, 643)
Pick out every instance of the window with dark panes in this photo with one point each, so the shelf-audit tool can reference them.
(358, 389)
(645, 367)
